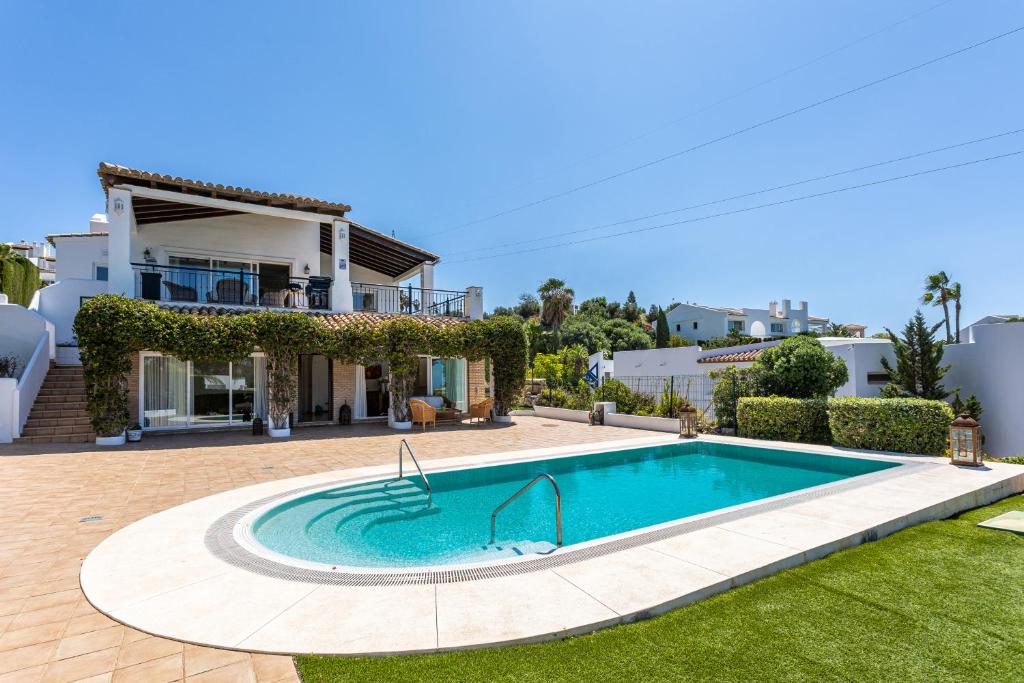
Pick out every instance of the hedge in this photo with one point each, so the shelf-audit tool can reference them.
(902, 425)
(784, 419)
(110, 329)
(19, 278)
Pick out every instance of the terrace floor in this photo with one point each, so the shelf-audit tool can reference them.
(49, 502)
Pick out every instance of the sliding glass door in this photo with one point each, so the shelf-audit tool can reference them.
(179, 393)
(448, 379)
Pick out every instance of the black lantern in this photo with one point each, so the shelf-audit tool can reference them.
(257, 426)
(345, 414)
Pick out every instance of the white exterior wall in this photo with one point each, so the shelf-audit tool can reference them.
(710, 322)
(244, 237)
(991, 368)
(659, 362)
(29, 337)
(59, 304)
(78, 256)
(862, 356)
(605, 366)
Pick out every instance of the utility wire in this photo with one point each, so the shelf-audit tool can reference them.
(735, 133)
(728, 98)
(669, 212)
(748, 208)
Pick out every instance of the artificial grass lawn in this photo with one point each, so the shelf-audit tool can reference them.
(940, 601)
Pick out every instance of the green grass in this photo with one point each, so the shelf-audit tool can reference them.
(940, 601)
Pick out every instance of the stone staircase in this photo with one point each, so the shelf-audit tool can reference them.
(58, 415)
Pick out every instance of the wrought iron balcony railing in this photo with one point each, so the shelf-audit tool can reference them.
(411, 300)
(230, 287)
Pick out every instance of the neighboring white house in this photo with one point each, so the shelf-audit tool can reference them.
(40, 254)
(698, 323)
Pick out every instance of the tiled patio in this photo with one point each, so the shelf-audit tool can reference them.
(49, 501)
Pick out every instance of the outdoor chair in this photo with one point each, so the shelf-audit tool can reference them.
(481, 410)
(228, 291)
(176, 292)
(423, 413)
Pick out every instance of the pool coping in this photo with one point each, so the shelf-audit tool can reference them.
(158, 575)
(230, 537)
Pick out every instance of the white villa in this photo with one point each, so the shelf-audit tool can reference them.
(697, 323)
(211, 249)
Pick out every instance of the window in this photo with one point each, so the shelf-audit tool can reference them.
(777, 328)
(102, 273)
(679, 328)
(879, 377)
(736, 325)
(178, 393)
(695, 324)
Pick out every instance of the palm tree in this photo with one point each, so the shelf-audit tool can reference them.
(936, 293)
(556, 302)
(954, 295)
(838, 330)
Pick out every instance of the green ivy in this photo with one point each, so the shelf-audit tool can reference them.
(111, 329)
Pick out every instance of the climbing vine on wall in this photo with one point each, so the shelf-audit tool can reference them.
(112, 329)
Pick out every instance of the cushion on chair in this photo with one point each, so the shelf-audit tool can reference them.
(435, 402)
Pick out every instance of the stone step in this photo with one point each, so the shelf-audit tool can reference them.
(84, 437)
(61, 400)
(47, 411)
(53, 431)
(64, 383)
(77, 393)
(56, 421)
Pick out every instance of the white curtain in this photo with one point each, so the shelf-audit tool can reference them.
(259, 402)
(166, 399)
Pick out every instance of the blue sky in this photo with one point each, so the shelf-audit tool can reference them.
(427, 115)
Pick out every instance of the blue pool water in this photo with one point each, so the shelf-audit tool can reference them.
(395, 523)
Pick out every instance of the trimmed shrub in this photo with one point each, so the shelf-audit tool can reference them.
(731, 384)
(784, 419)
(626, 400)
(800, 367)
(902, 425)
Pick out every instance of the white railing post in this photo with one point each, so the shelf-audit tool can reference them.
(475, 303)
(341, 284)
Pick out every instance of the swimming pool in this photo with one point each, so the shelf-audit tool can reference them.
(398, 523)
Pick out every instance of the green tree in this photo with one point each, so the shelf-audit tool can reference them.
(556, 302)
(936, 293)
(838, 330)
(918, 370)
(954, 295)
(580, 329)
(574, 364)
(528, 306)
(661, 335)
(675, 341)
(800, 367)
(631, 310)
(623, 336)
(972, 406)
(596, 307)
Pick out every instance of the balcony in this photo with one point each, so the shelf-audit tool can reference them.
(227, 287)
(410, 300)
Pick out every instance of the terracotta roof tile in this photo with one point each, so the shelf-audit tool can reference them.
(739, 357)
(110, 174)
(332, 319)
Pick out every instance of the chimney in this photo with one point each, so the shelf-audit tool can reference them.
(786, 303)
(772, 309)
(803, 306)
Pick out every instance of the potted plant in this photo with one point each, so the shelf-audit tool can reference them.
(135, 432)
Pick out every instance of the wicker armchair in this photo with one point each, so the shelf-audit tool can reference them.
(481, 410)
(423, 413)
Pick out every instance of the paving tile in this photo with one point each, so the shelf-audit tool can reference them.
(234, 673)
(147, 649)
(48, 615)
(160, 670)
(31, 675)
(33, 635)
(28, 656)
(92, 641)
(272, 668)
(83, 666)
(86, 623)
(199, 659)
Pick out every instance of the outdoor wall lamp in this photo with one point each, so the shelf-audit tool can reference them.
(306, 269)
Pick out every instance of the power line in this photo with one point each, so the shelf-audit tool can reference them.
(748, 208)
(744, 195)
(723, 100)
(735, 133)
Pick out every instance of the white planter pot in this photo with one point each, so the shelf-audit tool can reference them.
(134, 434)
(110, 440)
(401, 425)
(279, 433)
(503, 419)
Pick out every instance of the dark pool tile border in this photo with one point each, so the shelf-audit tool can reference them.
(221, 543)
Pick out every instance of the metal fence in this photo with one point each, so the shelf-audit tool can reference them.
(696, 389)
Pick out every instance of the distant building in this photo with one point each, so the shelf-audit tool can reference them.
(42, 256)
(699, 323)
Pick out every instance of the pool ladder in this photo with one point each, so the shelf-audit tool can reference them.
(558, 504)
(401, 459)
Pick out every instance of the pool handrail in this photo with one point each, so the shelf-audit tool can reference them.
(416, 462)
(558, 505)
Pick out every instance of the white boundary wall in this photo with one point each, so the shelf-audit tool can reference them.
(29, 337)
